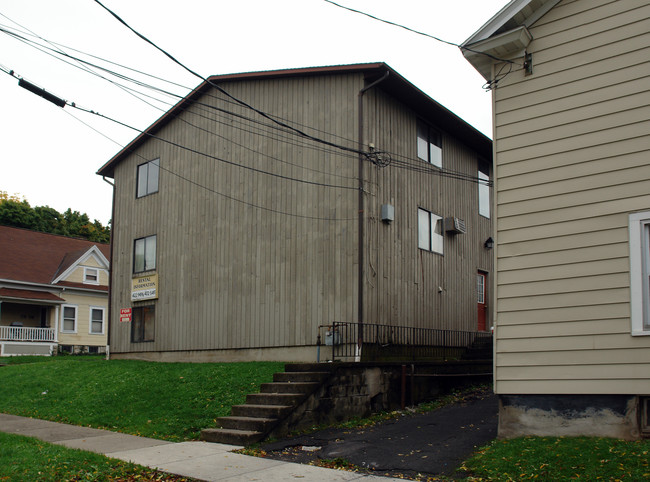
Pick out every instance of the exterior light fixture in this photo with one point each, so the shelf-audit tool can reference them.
(489, 243)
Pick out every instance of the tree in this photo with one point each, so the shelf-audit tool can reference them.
(19, 214)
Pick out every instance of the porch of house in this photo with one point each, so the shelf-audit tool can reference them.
(19, 340)
(28, 321)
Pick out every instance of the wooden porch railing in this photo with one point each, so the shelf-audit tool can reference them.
(19, 333)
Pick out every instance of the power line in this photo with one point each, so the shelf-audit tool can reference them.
(216, 86)
(418, 166)
(418, 32)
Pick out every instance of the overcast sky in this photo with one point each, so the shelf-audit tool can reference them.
(50, 157)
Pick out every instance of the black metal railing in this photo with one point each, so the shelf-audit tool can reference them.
(376, 342)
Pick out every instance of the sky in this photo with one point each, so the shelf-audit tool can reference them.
(50, 155)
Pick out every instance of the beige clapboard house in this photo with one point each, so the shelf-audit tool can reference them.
(572, 213)
(53, 293)
(237, 232)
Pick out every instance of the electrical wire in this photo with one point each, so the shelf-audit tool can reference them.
(220, 89)
(416, 165)
(419, 32)
(202, 186)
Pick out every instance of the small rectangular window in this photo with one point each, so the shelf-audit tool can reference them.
(484, 190)
(429, 144)
(96, 321)
(148, 174)
(142, 326)
(91, 276)
(69, 319)
(144, 254)
(430, 233)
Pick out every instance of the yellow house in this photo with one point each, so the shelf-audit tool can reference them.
(570, 86)
(53, 293)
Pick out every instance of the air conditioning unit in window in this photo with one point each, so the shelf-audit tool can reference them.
(455, 225)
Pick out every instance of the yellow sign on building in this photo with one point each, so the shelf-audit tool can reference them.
(144, 288)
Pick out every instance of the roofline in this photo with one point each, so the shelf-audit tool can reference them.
(471, 48)
(107, 170)
(496, 22)
(92, 250)
(27, 284)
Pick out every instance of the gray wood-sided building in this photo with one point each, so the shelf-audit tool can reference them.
(265, 204)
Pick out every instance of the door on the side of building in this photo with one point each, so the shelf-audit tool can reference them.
(481, 288)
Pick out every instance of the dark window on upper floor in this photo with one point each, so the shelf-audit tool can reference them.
(484, 189)
(144, 254)
(429, 144)
(148, 175)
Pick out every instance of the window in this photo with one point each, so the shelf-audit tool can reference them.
(68, 319)
(91, 276)
(639, 229)
(484, 190)
(429, 231)
(148, 174)
(96, 320)
(144, 254)
(142, 324)
(429, 144)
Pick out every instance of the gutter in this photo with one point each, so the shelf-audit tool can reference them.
(362, 157)
(110, 275)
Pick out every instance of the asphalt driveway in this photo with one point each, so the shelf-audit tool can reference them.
(432, 444)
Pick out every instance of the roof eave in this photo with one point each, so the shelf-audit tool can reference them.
(504, 46)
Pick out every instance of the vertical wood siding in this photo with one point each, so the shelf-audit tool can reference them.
(403, 282)
(572, 163)
(248, 259)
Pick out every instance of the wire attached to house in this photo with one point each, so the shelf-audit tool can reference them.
(379, 158)
(420, 33)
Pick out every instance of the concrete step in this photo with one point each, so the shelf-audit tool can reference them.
(291, 399)
(230, 436)
(261, 411)
(300, 376)
(253, 424)
(289, 387)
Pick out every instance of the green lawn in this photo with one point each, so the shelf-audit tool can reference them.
(28, 459)
(170, 401)
(558, 459)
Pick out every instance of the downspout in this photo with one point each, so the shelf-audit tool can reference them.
(362, 207)
(110, 274)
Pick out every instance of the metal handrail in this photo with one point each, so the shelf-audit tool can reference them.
(400, 342)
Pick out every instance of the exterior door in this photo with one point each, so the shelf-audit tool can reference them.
(481, 288)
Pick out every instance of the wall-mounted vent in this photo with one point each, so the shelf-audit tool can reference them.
(455, 225)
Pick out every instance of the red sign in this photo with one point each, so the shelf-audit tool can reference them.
(125, 315)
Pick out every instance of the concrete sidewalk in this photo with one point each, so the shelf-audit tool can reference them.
(200, 460)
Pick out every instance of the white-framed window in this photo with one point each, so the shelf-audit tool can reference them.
(68, 318)
(429, 144)
(91, 276)
(97, 317)
(639, 229)
(484, 190)
(148, 175)
(430, 234)
(144, 254)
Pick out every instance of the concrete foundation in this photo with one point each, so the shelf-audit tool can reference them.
(301, 354)
(615, 416)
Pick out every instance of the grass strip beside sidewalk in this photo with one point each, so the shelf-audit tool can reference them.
(169, 401)
(29, 459)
